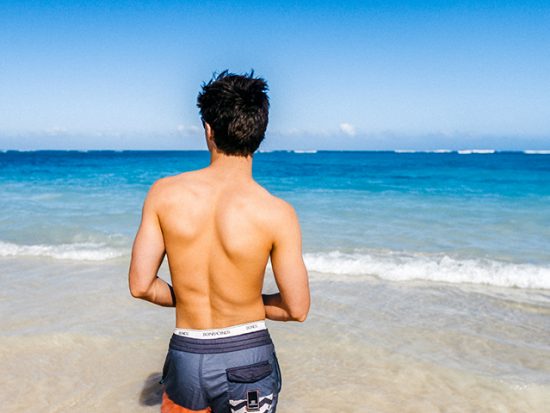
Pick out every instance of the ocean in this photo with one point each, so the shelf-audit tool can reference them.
(430, 277)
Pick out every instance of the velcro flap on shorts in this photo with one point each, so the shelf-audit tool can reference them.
(250, 373)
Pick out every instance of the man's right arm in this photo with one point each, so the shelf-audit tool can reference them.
(292, 301)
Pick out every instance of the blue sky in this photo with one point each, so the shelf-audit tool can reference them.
(343, 75)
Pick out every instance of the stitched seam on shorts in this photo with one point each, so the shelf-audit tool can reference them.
(201, 362)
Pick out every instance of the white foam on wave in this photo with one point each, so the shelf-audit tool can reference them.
(305, 151)
(430, 267)
(537, 152)
(476, 151)
(88, 251)
(423, 151)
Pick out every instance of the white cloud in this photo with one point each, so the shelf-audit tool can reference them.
(188, 130)
(297, 132)
(56, 130)
(348, 129)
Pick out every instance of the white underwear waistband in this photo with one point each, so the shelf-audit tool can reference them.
(221, 332)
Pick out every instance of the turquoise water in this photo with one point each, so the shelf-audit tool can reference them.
(476, 218)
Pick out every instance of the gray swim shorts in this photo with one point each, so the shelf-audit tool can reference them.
(228, 370)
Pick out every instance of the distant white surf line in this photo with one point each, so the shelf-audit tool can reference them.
(442, 268)
(305, 151)
(476, 151)
(537, 152)
(87, 251)
(423, 151)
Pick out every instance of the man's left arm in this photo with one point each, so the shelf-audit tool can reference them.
(147, 254)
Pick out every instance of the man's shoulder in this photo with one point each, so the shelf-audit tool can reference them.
(279, 209)
(165, 188)
(159, 187)
(282, 206)
(171, 182)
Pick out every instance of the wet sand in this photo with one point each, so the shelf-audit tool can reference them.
(72, 339)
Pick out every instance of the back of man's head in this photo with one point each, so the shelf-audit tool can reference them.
(236, 108)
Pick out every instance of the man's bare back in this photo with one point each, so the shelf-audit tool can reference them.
(218, 231)
(218, 228)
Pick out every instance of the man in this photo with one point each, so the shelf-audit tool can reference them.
(218, 228)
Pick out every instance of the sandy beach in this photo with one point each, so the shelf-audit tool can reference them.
(85, 345)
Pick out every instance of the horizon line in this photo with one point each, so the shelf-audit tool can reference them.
(464, 151)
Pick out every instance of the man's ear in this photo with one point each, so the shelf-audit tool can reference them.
(209, 134)
(208, 131)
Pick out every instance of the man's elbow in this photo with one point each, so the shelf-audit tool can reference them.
(139, 290)
(299, 317)
(299, 314)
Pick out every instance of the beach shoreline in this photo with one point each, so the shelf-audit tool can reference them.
(89, 347)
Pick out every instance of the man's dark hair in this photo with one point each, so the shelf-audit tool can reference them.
(236, 108)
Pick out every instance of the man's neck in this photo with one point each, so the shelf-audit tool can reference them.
(231, 165)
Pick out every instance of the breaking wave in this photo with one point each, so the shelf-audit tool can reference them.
(442, 268)
(389, 265)
(88, 251)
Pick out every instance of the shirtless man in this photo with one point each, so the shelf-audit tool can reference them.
(218, 228)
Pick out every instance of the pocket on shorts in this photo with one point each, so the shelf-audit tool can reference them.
(252, 388)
